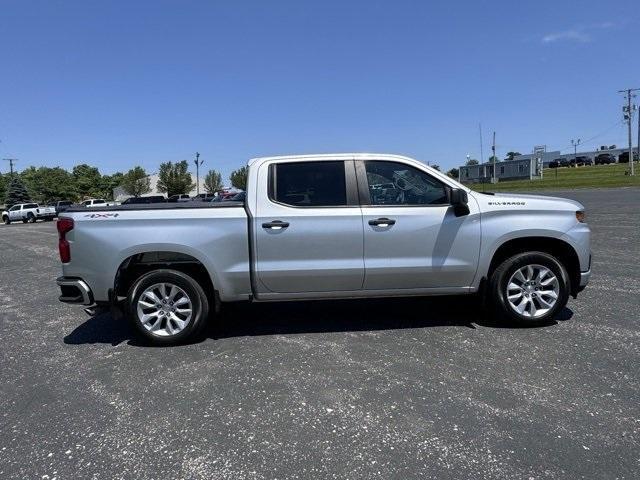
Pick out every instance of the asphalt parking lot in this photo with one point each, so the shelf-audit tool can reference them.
(416, 388)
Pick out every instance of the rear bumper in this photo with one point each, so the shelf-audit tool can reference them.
(74, 291)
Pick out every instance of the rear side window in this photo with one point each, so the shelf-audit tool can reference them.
(392, 183)
(309, 184)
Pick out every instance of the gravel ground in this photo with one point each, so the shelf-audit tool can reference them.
(417, 388)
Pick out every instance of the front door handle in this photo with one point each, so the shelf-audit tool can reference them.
(382, 222)
(275, 225)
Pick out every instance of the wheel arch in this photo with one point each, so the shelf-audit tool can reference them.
(136, 264)
(560, 249)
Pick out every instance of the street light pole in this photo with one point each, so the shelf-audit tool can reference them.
(198, 163)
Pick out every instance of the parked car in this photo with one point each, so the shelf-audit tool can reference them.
(555, 163)
(624, 157)
(203, 197)
(144, 200)
(604, 159)
(222, 197)
(179, 198)
(61, 206)
(97, 202)
(564, 162)
(28, 212)
(238, 197)
(580, 161)
(316, 226)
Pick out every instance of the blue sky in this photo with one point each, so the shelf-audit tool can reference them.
(117, 84)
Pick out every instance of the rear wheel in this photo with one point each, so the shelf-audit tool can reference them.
(529, 288)
(31, 218)
(167, 307)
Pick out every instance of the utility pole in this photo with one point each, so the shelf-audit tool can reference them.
(575, 144)
(481, 148)
(493, 149)
(627, 115)
(10, 160)
(198, 163)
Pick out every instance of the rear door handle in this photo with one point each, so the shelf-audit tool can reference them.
(275, 225)
(382, 222)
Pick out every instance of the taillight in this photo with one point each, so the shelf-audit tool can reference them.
(64, 225)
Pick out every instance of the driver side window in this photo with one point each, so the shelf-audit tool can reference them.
(392, 183)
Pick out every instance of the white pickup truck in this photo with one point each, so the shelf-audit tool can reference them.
(98, 202)
(28, 212)
(320, 227)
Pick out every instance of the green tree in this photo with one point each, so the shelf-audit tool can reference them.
(49, 184)
(493, 159)
(472, 161)
(3, 186)
(213, 181)
(108, 183)
(174, 179)
(87, 180)
(453, 173)
(16, 193)
(436, 166)
(136, 182)
(512, 155)
(239, 178)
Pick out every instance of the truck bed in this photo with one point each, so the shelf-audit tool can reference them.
(155, 206)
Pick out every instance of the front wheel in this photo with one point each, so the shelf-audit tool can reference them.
(167, 307)
(529, 288)
(6, 220)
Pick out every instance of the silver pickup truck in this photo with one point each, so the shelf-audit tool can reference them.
(325, 226)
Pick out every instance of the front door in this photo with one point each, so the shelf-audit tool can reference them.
(14, 213)
(412, 238)
(308, 231)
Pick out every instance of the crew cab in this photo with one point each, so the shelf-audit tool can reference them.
(325, 227)
(28, 212)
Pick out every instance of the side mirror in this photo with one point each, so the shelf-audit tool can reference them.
(458, 199)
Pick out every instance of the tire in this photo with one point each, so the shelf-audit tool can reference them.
(31, 218)
(24, 220)
(5, 220)
(167, 324)
(532, 302)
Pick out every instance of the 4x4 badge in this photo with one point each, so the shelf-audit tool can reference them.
(101, 215)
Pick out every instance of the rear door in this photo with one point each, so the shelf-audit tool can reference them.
(308, 228)
(412, 238)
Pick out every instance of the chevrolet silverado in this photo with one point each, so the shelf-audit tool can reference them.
(325, 226)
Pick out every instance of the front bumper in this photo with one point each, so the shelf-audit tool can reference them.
(74, 291)
(584, 278)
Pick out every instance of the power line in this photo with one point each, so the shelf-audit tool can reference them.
(598, 135)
